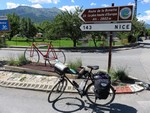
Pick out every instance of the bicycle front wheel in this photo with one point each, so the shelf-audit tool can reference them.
(101, 102)
(30, 54)
(57, 55)
(57, 90)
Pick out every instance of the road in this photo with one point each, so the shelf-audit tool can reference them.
(27, 101)
(134, 60)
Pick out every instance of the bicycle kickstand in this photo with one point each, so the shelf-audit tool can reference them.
(48, 62)
(45, 62)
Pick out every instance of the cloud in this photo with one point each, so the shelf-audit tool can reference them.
(69, 8)
(11, 5)
(92, 4)
(72, 1)
(105, 5)
(131, 3)
(36, 6)
(45, 1)
(146, 17)
(145, 1)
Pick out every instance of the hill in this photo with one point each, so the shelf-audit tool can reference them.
(147, 26)
(36, 14)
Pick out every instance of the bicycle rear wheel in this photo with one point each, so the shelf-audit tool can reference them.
(57, 55)
(101, 102)
(30, 54)
(57, 90)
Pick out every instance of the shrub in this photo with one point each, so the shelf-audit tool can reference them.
(75, 64)
(22, 60)
(12, 62)
(119, 74)
(17, 62)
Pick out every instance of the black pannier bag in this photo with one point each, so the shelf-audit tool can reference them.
(102, 84)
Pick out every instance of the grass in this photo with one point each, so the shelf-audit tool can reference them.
(17, 62)
(75, 64)
(119, 74)
(19, 41)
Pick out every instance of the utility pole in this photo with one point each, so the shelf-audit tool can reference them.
(135, 9)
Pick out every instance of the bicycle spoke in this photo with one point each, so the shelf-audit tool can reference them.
(57, 90)
(57, 55)
(92, 98)
(31, 55)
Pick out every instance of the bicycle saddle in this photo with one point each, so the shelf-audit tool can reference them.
(93, 67)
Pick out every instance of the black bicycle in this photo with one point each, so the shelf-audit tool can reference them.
(88, 86)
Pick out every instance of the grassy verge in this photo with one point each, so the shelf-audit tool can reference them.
(19, 41)
(17, 62)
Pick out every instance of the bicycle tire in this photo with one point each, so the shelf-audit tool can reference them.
(31, 54)
(57, 91)
(100, 102)
(57, 55)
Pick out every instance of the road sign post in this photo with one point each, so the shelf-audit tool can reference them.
(4, 24)
(110, 48)
(107, 19)
(4, 27)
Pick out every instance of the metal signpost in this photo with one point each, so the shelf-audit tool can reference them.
(107, 19)
(4, 24)
(4, 27)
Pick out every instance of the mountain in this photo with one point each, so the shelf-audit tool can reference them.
(147, 26)
(36, 14)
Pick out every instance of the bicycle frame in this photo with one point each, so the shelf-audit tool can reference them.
(50, 48)
(89, 90)
(82, 92)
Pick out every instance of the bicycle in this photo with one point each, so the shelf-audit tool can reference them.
(51, 55)
(88, 89)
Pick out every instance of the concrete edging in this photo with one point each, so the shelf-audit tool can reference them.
(32, 71)
(47, 87)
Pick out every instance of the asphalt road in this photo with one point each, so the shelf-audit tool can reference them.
(134, 60)
(27, 101)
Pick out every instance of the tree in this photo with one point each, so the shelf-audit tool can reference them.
(14, 24)
(138, 28)
(27, 28)
(68, 24)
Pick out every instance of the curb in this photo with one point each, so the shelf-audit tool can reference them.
(79, 49)
(27, 70)
(45, 83)
(47, 87)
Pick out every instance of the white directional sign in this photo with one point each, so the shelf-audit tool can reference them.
(106, 27)
(3, 17)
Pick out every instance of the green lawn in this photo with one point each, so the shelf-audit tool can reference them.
(23, 42)
(19, 41)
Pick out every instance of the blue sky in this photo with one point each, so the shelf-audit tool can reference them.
(143, 9)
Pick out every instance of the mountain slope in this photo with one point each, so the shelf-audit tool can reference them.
(147, 26)
(36, 14)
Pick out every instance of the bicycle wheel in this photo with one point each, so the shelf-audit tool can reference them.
(32, 55)
(57, 55)
(57, 90)
(101, 102)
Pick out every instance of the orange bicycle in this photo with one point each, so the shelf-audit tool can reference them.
(52, 55)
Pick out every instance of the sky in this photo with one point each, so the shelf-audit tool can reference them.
(143, 6)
